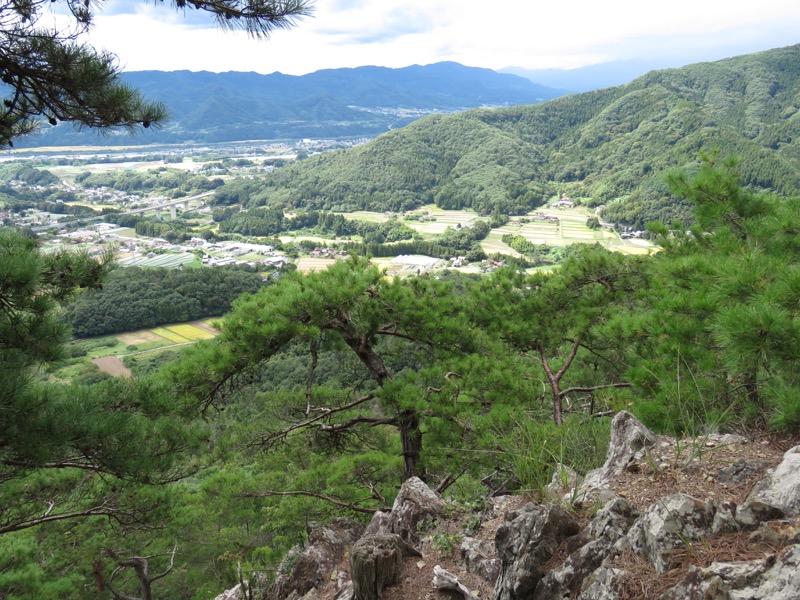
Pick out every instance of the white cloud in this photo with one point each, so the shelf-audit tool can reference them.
(347, 33)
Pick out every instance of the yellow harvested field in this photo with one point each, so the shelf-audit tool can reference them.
(190, 332)
(306, 264)
(138, 337)
(169, 335)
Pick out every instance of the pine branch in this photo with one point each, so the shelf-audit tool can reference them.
(334, 501)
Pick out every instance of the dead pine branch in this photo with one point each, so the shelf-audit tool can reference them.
(272, 438)
(324, 497)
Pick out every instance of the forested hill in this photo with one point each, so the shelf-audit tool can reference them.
(611, 145)
(215, 107)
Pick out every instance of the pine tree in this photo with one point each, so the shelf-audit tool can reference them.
(53, 76)
(67, 451)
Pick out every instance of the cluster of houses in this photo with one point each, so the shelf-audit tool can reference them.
(106, 195)
(626, 235)
(102, 235)
(540, 216)
(328, 253)
(564, 202)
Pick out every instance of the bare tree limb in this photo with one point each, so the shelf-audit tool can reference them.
(449, 480)
(268, 439)
(594, 387)
(97, 511)
(371, 421)
(334, 501)
(576, 344)
(313, 348)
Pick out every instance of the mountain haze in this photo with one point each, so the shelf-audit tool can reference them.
(217, 107)
(608, 146)
(592, 77)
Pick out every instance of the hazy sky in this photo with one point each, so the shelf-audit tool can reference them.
(397, 33)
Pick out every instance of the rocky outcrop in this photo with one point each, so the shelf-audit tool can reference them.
(629, 441)
(662, 536)
(591, 547)
(781, 487)
(539, 552)
(415, 505)
(478, 557)
(525, 543)
(773, 578)
(324, 549)
(668, 524)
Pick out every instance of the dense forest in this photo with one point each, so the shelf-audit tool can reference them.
(604, 147)
(137, 298)
(325, 391)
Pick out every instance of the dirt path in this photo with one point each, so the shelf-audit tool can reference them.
(112, 365)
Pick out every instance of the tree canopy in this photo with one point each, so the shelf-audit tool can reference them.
(52, 75)
(83, 435)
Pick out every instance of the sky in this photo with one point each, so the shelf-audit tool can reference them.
(477, 33)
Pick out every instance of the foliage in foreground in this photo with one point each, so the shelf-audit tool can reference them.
(325, 391)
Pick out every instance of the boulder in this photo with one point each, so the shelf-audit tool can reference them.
(415, 504)
(564, 480)
(380, 523)
(776, 577)
(235, 593)
(781, 487)
(479, 558)
(325, 548)
(590, 548)
(525, 542)
(667, 524)
(445, 580)
(629, 441)
(603, 584)
(751, 514)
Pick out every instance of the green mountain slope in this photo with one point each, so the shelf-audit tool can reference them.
(608, 146)
(214, 107)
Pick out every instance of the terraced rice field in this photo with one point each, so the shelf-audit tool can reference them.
(444, 219)
(182, 334)
(494, 245)
(537, 232)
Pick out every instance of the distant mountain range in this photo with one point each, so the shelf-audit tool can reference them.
(607, 146)
(593, 77)
(360, 102)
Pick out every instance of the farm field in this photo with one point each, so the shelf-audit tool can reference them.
(444, 219)
(112, 365)
(571, 228)
(493, 244)
(108, 355)
(309, 264)
(161, 260)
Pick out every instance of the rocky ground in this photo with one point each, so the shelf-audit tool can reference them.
(716, 517)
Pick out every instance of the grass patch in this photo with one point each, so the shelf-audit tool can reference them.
(95, 347)
(142, 364)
